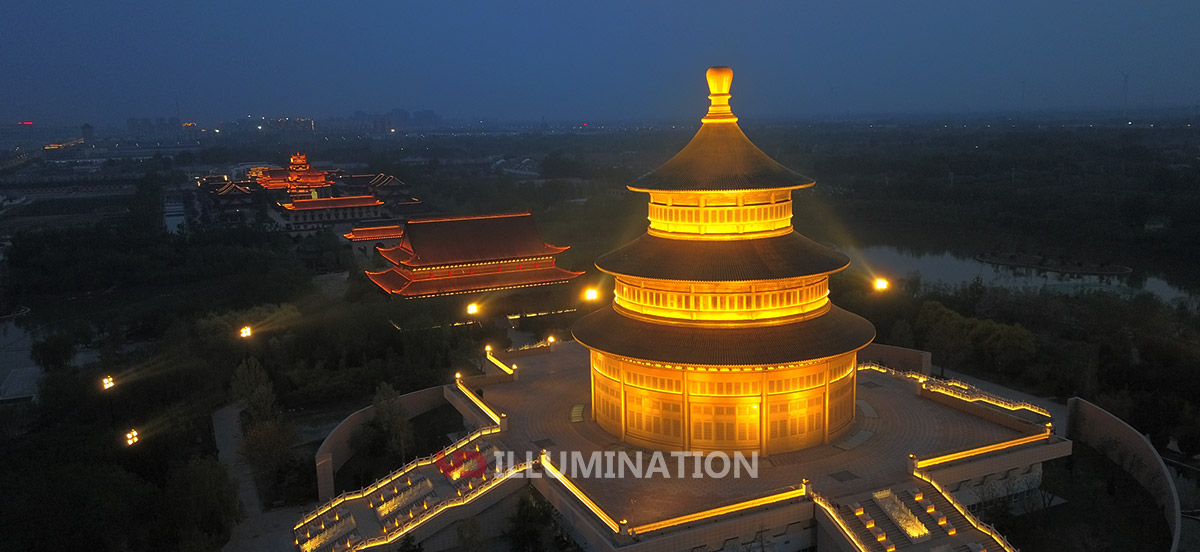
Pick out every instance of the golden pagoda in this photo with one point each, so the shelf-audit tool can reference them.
(721, 335)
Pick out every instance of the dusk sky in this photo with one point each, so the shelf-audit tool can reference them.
(100, 62)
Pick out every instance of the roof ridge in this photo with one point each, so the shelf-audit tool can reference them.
(470, 217)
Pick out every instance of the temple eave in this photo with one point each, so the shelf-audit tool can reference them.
(836, 332)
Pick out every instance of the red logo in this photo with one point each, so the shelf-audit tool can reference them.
(461, 464)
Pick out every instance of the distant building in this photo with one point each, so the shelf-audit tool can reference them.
(298, 179)
(320, 213)
(226, 201)
(452, 255)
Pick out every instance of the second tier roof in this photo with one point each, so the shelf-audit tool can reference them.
(788, 256)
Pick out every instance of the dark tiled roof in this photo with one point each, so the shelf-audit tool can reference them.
(393, 281)
(332, 203)
(375, 233)
(454, 240)
(396, 254)
(720, 157)
(835, 332)
(787, 256)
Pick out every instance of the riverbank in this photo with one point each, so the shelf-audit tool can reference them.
(1051, 265)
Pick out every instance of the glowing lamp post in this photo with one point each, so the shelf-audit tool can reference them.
(473, 308)
(881, 284)
(591, 294)
(245, 332)
(131, 437)
(108, 382)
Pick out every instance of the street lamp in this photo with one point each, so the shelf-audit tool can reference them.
(591, 294)
(881, 284)
(131, 437)
(107, 382)
(550, 339)
(245, 331)
(472, 308)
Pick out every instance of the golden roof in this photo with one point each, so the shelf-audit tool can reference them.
(720, 157)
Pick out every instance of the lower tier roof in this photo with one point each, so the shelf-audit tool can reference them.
(836, 332)
(788, 256)
(394, 281)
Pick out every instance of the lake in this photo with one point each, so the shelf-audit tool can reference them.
(893, 263)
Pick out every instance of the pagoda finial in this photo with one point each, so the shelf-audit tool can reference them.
(720, 78)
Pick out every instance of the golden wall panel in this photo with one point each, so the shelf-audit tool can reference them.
(770, 409)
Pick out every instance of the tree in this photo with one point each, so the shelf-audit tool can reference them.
(54, 352)
(525, 526)
(392, 421)
(901, 335)
(946, 334)
(252, 388)
(468, 535)
(409, 544)
(203, 503)
(266, 446)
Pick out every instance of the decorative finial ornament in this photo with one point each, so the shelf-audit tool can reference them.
(719, 80)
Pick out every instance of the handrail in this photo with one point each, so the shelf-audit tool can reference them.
(974, 521)
(720, 511)
(599, 513)
(497, 362)
(478, 402)
(982, 450)
(958, 389)
(426, 515)
(837, 519)
(387, 479)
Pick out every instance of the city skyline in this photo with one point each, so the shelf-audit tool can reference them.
(620, 62)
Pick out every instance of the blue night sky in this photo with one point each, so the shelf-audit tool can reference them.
(71, 62)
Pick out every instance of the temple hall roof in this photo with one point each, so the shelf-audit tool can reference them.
(395, 282)
(375, 233)
(720, 157)
(788, 256)
(457, 240)
(833, 333)
(332, 203)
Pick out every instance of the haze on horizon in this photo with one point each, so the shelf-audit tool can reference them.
(74, 62)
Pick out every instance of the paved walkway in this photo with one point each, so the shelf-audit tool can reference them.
(227, 429)
(259, 531)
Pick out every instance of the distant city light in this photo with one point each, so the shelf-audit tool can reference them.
(472, 308)
(24, 122)
(245, 331)
(591, 294)
(108, 382)
(881, 284)
(259, 127)
(131, 437)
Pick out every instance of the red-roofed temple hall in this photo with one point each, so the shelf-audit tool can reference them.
(452, 255)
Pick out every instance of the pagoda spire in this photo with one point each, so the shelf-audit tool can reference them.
(720, 78)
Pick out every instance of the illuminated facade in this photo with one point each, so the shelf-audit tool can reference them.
(452, 255)
(721, 335)
(298, 179)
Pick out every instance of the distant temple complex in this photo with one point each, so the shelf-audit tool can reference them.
(452, 255)
(308, 200)
(299, 179)
(721, 335)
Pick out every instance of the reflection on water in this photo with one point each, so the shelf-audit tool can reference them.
(949, 269)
